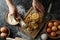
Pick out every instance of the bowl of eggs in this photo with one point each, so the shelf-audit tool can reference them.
(4, 32)
(53, 29)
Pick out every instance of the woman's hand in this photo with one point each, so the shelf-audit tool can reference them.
(12, 9)
(38, 6)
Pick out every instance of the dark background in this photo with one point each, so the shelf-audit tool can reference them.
(55, 12)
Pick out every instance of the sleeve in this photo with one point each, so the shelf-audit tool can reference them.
(45, 3)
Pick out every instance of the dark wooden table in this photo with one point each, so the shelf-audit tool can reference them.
(55, 13)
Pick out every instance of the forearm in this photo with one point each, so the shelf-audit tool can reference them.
(11, 6)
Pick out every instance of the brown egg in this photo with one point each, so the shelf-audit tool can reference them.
(59, 27)
(4, 29)
(3, 34)
(54, 28)
(53, 34)
(58, 32)
(48, 30)
(56, 23)
(50, 24)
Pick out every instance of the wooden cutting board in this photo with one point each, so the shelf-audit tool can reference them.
(35, 32)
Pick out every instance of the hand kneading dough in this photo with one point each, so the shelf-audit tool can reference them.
(11, 20)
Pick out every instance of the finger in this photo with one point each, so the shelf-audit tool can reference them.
(40, 8)
(17, 16)
(35, 8)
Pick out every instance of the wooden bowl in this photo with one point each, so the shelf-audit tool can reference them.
(48, 33)
(6, 18)
(8, 32)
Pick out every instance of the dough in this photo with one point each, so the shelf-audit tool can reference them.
(11, 20)
(34, 25)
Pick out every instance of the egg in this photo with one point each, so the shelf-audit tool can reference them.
(53, 34)
(54, 28)
(59, 27)
(58, 32)
(48, 30)
(4, 29)
(3, 34)
(43, 36)
(56, 23)
(50, 24)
